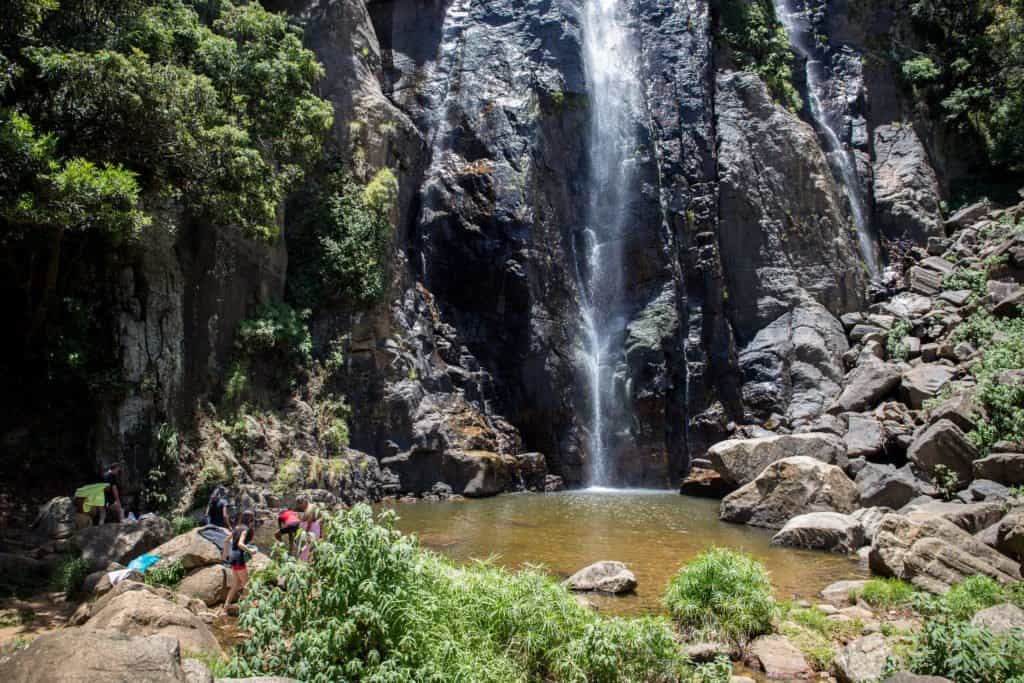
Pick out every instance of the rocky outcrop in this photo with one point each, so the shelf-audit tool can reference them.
(121, 543)
(788, 488)
(144, 613)
(907, 193)
(863, 660)
(822, 531)
(934, 554)
(604, 577)
(87, 656)
(740, 461)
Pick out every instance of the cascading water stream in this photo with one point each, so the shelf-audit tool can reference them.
(610, 61)
(798, 30)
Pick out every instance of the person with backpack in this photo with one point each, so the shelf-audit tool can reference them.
(237, 552)
(217, 509)
(112, 494)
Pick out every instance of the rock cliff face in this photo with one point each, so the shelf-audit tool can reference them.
(738, 264)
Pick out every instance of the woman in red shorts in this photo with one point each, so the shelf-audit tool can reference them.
(237, 552)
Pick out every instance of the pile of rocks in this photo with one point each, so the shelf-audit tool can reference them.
(887, 469)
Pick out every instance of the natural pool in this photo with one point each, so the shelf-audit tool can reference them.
(653, 532)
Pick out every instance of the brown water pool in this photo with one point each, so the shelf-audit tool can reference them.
(654, 532)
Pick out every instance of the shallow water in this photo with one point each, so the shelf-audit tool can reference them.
(653, 532)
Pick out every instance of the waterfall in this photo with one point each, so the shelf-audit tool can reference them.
(610, 61)
(798, 30)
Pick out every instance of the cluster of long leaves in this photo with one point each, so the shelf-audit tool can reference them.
(374, 606)
(722, 593)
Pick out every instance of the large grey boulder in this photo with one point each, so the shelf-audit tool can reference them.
(863, 660)
(209, 584)
(972, 517)
(943, 443)
(740, 461)
(778, 658)
(887, 486)
(1005, 468)
(934, 554)
(787, 488)
(606, 576)
(1010, 534)
(906, 190)
(90, 656)
(865, 436)
(961, 409)
(866, 386)
(145, 613)
(121, 543)
(191, 549)
(56, 519)
(870, 519)
(999, 618)
(822, 531)
(924, 382)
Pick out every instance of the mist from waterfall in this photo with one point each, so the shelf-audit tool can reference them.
(611, 61)
(798, 30)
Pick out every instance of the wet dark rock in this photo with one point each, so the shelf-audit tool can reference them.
(704, 483)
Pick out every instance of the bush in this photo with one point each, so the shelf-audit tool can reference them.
(885, 593)
(168, 575)
(181, 525)
(391, 611)
(962, 601)
(722, 593)
(895, 341)
(966, 654)
(70, 574)
(759, 44)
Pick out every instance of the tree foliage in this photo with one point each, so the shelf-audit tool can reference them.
(970, 66)
(759, 44)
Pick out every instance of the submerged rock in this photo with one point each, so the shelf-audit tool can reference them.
(822, 531)
(606, 576)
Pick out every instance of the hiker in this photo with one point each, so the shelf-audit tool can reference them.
(112, 494)
(290, 521)
(236, 553)
(311, 525)
(217, 509)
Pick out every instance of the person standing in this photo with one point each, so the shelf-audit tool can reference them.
(112, 494)
(217, 509)
(237, 552)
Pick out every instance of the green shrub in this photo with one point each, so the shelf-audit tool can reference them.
(70, 574)
(182, 524)
(895, 341)
(164, 457)
(169, 575)
(722, 593)
(885, 593)
(963, 600)
(391, 611)
(759, 44)
(276, 331)
(966, 654)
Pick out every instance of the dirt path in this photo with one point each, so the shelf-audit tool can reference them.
(30, 617)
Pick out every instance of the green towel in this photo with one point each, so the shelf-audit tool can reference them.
(94, 495)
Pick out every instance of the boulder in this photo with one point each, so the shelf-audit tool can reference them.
(121, 543)
(483, 473)
(209, 584)
(989, 535)
(1010, 535)
(90, 656)
(867, 385)
(145, 613)
(196, 671)
(1005, 468)
(778, 658)
(985, 490)
(906, 189)
(56, 519)
(870, 519)
(1010, 306)
(972, 518)
(1000, 618)
(968, 216)
(838, 593)
(740, 461)
(191, 549)
(606, 576)
(907, 305)
(822, 531)
(704, 483)
(864, 436)
(924, 382)
(925, 281)
(887, 486)
(933, 553)
(787, 488)
(863, 660)
(943, 443)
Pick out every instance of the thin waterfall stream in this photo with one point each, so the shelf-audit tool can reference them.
(610, 60)
(798, 30)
